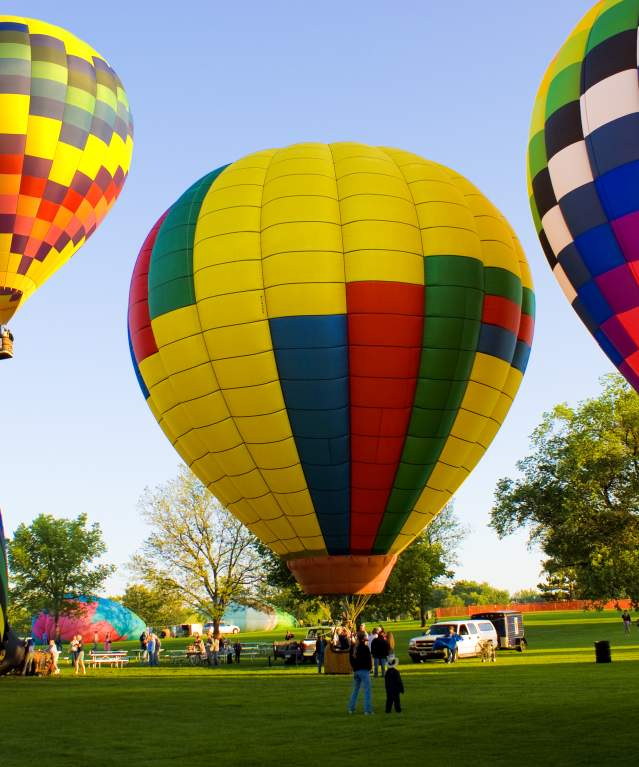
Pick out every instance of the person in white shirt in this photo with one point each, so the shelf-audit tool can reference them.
(55, 654)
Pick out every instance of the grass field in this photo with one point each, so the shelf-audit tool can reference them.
(552, 705)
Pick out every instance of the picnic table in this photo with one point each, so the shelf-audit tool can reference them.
(113, 658)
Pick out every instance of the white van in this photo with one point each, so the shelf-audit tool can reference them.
(472, 633)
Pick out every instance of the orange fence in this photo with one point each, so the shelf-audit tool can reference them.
(529, 607)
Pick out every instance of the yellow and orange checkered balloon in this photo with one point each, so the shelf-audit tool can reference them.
(66, 139)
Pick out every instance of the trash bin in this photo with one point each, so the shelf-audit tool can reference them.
(602, 652)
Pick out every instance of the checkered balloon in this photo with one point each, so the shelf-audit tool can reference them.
(65, 150)
(583, 176)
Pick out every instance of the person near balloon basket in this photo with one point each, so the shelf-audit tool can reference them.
(320, 651)
(362, 665)
(380, 651)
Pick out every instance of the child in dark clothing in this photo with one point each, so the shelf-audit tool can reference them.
(394, 686)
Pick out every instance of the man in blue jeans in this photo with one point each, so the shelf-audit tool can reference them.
(362, 664)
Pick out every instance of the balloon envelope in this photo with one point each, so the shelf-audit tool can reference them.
(583, 174)
(96, 615)
(65, 150)
(331, 336)
(252, 619)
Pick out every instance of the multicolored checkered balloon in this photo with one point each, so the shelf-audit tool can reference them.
(331, 336)
(583, 172)
(65, 150)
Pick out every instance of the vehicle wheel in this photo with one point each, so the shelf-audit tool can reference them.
(521, 647)
(236, 631)
(415, 660)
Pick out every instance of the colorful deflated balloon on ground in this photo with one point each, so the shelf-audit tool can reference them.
(583, 171)
(331, 336)
(94, 615)
(65, 151)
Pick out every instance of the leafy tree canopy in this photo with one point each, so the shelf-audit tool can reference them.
(578, 494)
(51, 559)
(197, 550)
(155, 605)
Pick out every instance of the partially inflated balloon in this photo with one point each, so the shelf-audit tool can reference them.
(583, 171)
(65, 151)
(331, 336)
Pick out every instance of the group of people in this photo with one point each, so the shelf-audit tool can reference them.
(361, 658)
(216, 648)
(150, 645)
(380, 643)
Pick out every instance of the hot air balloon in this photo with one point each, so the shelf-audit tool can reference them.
(65, 150)
(583, 176)
(331, 336)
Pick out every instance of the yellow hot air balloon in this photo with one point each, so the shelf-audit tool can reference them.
(65, 150)
(331, 336)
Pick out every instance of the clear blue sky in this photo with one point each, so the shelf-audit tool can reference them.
(209, 82)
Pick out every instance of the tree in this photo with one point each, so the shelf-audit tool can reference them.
(155, 605)
(560, 584)
(578, 494)
(280, 589)
(197, 550)
(410, 587)
(53, 559)
(527, 595)
(474, 593)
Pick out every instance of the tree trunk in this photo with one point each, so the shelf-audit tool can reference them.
(422, 614)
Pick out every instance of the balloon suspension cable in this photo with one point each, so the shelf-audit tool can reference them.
(354, 606)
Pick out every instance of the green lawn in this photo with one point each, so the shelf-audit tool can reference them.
(552, 705)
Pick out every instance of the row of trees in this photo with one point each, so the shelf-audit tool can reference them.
(577, 494)
(198, 558)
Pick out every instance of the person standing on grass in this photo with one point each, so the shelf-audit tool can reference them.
(156, 649)
(320, 649)
(150, 648)
(380, 651)
(627, 621)
(362, 664)
(107, 642)
(143, 638)
(29, 654)
(390, 638)
(79, 662)
(452, 639)
(55, 654)
(237, 647)
(73, 649)
(394, 686)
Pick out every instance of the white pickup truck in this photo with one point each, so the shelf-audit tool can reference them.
(472, 633)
